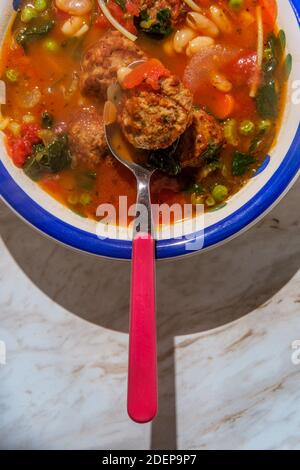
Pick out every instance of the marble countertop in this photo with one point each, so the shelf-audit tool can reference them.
(227, 320)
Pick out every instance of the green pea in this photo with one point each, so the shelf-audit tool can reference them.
(220, 192)
(264, 125)
(235, 4)
(246, 127)
(51, 45)
(12, 75)
(209, 201)
(28, 13)
(85, 199)
(40, 5)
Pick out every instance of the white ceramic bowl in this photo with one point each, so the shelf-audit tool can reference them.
(270, 183)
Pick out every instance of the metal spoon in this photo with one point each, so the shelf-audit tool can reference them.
(142, 367)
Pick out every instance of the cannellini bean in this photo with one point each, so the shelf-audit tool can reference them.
(203, 24)
(75, 7)
(84, 29)
(121, 73)
(72, 26)
(4, 123)
(182, 38)
(219, 81)
(198, 43)
(220, 19)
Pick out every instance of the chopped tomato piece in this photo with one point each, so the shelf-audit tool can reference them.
(132, 8)
(243, 69)
(269, 12)
(150, 71)
(102, 22)
(129, 25)
(19, 149)
(115, 10)
(30, 133)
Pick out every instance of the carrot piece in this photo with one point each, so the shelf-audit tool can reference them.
(223, 106)
(269, 12)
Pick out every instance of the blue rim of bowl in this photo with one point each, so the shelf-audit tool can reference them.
(79, 239)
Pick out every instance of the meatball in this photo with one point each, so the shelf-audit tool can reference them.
(102, 61)
(154, 119)
(87, 138)
(204, 134)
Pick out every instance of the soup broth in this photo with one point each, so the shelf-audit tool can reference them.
(233, 64)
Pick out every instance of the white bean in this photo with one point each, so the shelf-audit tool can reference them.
(122, 72)
(72, 26)
(84, 29)
(220, 19)
(198, 43)
(182, 38)
(203, 24)
(4, 122)
(75, 7)
(220, 82)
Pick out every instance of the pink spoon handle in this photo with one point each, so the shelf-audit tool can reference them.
(142, 373)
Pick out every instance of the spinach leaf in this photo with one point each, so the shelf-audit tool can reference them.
(288, 63)
(211, 154)
(241, 163)
(267, 100)
(47, 120)
(165, 160)
(32, 33)
(52, 158)
(122, 4)
(160, 28)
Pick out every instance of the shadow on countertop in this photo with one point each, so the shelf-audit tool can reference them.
(193, 294)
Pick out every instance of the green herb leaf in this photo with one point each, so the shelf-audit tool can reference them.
(241, 163)
(288, 64)
(282, 40)
(164, 160)
(212, 152)
(267, 100)
(161, 28)
(121, 4)
(32, 33)
(53, 158)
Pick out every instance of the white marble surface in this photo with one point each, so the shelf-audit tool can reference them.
(227, 320)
